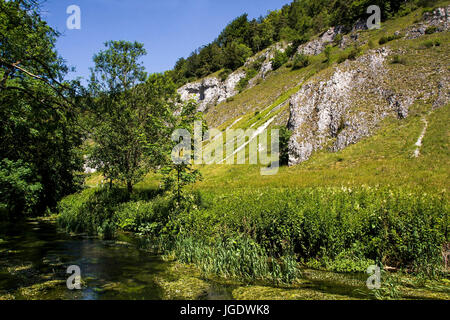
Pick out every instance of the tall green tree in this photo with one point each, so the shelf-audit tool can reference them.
(39, 133)
(134, 115)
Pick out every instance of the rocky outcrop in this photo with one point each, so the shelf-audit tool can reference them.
(443, 94)
(317, 46)
(266, 55)
(439, 18)
(335, 113)
(211, 90)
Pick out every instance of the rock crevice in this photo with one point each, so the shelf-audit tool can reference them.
(334, 113)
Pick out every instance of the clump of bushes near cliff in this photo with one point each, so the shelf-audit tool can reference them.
(264, 234)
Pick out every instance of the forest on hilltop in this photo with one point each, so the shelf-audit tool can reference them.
(295, 22)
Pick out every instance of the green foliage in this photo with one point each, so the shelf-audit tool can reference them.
(300, 61)
(285, 136)
(133, 115)
(390, 288)
(431, 30)
(428, 44)
(395, 227)
(291, 50)
(224, 74)
(350, 55)
(39, 135)
(279, 59)
(236, 54)
(341, 229)
(398, 60)
(327, 52)
(349, 261)
(142, 217)
(386, 39)
(295, 22)
(338, 39)
(19, 190)
(91, 211)
(235, 257)
(431, 43)
(243, 83)
(177, 177)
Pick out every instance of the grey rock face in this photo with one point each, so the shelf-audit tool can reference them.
(267, 55)
(439, 18)
(360, 25)
(399, 104)
(332, 113)
(317, 46)
(211, 91)
(443, 96)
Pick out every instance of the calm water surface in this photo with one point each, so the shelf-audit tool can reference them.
(35, 252)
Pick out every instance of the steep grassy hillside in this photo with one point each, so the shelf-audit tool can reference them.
(385, 157)
(380, 199)
(281, 84)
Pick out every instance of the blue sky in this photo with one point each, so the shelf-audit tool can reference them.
(169, 29)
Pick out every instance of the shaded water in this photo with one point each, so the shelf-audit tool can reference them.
(35, 255)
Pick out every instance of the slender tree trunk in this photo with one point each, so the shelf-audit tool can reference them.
(129, 187)
(178, 186)
(110, 184)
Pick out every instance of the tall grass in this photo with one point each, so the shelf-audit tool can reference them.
(238, 257)
(262, 234)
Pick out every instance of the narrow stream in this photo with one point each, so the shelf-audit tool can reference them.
(34, 255)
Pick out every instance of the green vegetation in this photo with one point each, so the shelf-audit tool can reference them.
(295, 22)
(279, 59)
(20, 191)
(327, 53)
(398, 60)
(243, 83)
(351, 54)
(300, 61)
(39, 134)
(340, 229)
(431, 30)
(386, 39)
(132, 116)
(371, 203)
(431, 43)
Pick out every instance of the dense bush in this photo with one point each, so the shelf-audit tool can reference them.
(337, 228)
(431, 30)
(430, 43)
(392, 227)
(243, 83)
(224, 74)
(91, 211)
(386, 39)
(39, 133)
(300, 61)
(398, 60)
(143, 217)
(279, 59)
(350, 55)
(19, 190)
